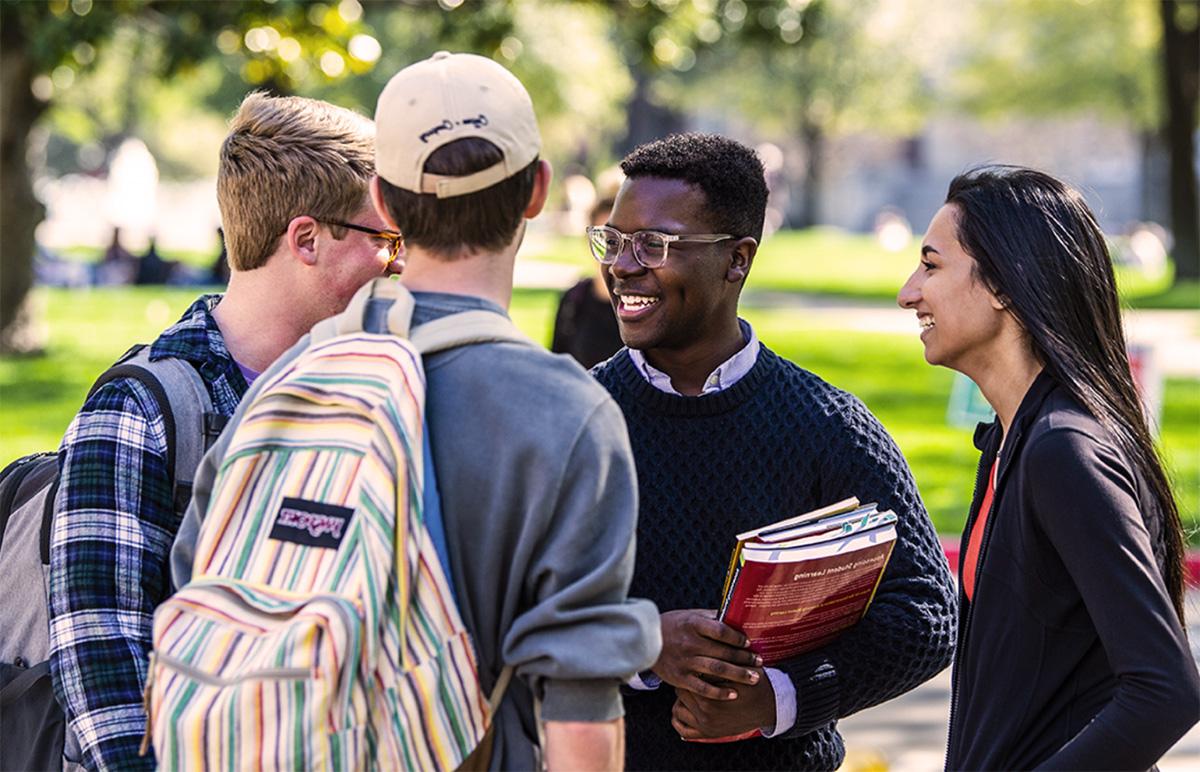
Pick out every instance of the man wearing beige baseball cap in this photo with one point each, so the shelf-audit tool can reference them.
(533, 462)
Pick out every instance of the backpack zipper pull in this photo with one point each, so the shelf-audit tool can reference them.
(145, 746)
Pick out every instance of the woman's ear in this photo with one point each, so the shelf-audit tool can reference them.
(740, 260)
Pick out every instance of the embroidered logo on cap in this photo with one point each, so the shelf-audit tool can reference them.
(478, 121)
(311, 522)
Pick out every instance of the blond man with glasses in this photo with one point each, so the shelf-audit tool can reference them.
(302, 237)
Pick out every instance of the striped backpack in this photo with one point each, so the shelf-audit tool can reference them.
(319, 630)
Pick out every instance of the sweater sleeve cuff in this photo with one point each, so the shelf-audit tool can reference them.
(817, 692)
(593, 701)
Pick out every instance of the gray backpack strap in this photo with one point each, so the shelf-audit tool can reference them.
(187, 413)
(196, 425)
(384, 305)
(363, 312)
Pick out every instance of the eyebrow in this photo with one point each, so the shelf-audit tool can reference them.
(926, 249)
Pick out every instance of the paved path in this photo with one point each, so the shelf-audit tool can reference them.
(908, 734)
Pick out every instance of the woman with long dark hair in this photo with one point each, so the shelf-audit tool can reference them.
(1071, 645)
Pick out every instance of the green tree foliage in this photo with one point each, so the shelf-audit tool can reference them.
(170, 71)
(1049, 57)
(811, 71)
(45, 45)
(1103, 57)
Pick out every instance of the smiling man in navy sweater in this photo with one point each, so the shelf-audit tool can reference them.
(727, 436)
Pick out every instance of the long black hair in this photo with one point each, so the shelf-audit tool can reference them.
(1038, 248)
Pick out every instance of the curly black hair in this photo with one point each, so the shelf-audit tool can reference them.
(729, 174)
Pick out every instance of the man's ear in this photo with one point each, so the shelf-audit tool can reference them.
(541, 189)
(302, 234)
(740, 259)
(380, 207)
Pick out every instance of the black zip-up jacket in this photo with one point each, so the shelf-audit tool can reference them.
(1070, 656)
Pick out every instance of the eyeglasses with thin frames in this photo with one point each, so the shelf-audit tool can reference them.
(393, 239)
(649, 248)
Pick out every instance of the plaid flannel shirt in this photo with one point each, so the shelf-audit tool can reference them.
(111, 542)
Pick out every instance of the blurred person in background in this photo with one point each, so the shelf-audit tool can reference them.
(303, 236)
(219, 270)
(585, 326)
(152, 268)
(1071, 646)
(118, 266)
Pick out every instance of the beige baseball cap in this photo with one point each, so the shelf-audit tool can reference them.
(448, 97)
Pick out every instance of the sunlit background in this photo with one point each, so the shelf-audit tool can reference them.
(862, 111)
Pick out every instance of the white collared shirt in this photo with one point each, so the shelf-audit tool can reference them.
(727, 373)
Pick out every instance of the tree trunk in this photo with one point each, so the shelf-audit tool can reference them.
(813, 139)
(1182, 82)
(1154, 196)
(647, 120)
(20, 211)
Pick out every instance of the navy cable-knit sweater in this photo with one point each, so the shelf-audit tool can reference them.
(777, 443)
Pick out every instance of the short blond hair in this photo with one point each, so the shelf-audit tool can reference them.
(286, 157)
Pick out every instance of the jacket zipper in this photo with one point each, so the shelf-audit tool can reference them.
(960, 646)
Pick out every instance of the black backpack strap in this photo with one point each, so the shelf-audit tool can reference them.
(21, 479)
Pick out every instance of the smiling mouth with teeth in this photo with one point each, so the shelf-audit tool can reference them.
(637, 302)
(926, 323)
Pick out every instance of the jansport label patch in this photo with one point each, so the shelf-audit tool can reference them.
(311, 522)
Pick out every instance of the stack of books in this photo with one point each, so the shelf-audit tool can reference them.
(795, 585)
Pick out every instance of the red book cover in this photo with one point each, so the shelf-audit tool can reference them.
(789, 602)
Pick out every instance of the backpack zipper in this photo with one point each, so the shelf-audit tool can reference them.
(278, 674)
(266, 674)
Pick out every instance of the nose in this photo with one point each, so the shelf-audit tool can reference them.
(626, 264)
(910, 293)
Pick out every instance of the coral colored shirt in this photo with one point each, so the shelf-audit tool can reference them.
(975, 541)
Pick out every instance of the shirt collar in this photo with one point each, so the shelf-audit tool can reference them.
(727, 373)
(434, 305)
(195, 337)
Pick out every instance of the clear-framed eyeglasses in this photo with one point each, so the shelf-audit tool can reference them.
(649, 247)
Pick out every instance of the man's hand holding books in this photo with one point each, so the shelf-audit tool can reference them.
(700, 719)
(718, 681)
(791, 587)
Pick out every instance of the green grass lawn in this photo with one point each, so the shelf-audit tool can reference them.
(90, 328)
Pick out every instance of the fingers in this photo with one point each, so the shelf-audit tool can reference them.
(698, 649)
(694, 632)
(743, 657)
(698, 685)
(684, 722)
(725, 671)
(709, 627)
